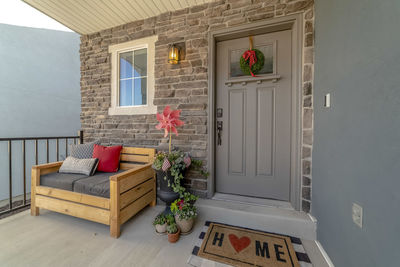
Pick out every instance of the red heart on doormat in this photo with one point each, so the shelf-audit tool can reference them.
(239, 243)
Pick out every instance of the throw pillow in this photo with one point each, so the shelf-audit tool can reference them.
(82, 151)
(94, 167)
(108, 157)
(79, 166)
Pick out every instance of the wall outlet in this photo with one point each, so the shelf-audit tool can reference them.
(357, 213)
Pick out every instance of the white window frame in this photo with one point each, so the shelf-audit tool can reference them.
(115, 50)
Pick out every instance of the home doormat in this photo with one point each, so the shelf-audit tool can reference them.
(226, 245)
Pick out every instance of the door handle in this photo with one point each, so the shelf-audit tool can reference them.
(219, 130)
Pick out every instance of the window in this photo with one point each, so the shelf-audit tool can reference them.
(132, 77)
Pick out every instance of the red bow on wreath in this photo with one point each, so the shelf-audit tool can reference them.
(251, 56)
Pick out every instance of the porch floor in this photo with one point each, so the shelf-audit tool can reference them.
(54, 239)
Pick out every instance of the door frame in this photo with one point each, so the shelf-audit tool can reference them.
(295, 23)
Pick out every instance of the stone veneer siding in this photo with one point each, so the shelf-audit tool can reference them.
(184, 86)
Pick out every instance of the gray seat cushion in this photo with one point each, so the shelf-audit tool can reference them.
(96, 185)
(61, 180)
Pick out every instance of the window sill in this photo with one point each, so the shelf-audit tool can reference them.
(139, 110)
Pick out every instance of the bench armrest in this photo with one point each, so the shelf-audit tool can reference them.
(130, 191)
(47, 165)
(130, 173)
(43, 169)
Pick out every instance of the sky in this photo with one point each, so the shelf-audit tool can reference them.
(16, 12)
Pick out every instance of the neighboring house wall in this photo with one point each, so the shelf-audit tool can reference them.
(40, 95)
(356, 154)
(183, 86)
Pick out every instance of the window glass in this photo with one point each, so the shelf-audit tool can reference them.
(125, 95)
(140, 62)
(133, 78)
(125, 63)
(140, 91)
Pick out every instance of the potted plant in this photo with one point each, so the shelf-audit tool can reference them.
(170, 170)
(160, 222)
(173, 232)
(170, 219)
(171, 166)
(185, 212)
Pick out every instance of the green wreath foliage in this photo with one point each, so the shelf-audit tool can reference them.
(244, 64)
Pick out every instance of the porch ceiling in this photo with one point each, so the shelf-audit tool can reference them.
(91, 16)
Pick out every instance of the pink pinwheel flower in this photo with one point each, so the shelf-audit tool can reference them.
(169, 120)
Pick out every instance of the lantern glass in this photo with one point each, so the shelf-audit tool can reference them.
(173, 55)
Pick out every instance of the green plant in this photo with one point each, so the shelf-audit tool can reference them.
(160, 219)
(170, 219)
(172, 228)
(198, 165)
(178, 163)
(184, 208)
(189, 198)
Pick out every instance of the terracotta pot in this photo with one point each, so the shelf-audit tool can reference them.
(184, 225)
(161, 228)
(173, 238)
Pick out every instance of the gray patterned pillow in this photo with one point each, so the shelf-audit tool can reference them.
(83, 151)
(80, 166)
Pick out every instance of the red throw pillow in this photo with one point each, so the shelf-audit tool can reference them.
(108, 157)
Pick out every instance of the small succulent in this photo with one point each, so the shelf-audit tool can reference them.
(170, 219)
(172, 228)
(160, 219)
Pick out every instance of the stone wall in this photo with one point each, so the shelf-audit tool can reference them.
(184, 86)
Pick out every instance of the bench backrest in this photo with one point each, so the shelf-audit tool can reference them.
(132, 157)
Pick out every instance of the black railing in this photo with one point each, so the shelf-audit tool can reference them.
(22, 141)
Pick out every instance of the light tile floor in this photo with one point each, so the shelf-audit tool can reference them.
(53, 239)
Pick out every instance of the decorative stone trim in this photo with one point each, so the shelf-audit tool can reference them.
(185, 85)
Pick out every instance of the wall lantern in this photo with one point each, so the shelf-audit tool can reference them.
(173, 54)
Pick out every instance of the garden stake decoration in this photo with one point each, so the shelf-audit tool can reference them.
(169, 120)
(171, 166)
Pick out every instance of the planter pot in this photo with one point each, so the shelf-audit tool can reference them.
(161, 228)
(173, 238)
(166, 193)
(185, 225)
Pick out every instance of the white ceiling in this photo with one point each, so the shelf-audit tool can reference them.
(89, 16)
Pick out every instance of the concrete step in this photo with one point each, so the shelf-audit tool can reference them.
(264, 218)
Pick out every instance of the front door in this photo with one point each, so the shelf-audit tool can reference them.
(253, 146)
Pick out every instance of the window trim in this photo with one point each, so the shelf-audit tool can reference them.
(115, 50)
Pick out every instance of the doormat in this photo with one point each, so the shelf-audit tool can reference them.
(221, 245)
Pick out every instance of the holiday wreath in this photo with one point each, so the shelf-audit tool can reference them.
(252, 60)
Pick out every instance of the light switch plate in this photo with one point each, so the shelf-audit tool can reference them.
(357, 214)
(327, 103)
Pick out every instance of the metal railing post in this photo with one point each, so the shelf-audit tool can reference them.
(24, 166)
(80, 134)
(10, 172)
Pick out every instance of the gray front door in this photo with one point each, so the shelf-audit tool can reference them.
(253, 152)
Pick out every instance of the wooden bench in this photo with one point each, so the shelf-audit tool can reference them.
(130, 192)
